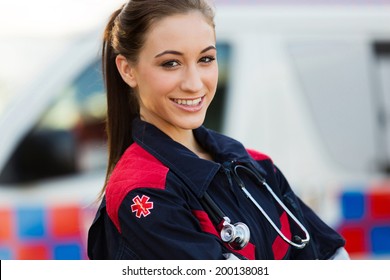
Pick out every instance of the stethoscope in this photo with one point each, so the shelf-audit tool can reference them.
(237, 235)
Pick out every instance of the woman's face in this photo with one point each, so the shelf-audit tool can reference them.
(176, 73)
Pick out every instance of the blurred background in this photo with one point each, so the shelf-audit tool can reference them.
(306, 82)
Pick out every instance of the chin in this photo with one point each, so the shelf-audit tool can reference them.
(191, 124)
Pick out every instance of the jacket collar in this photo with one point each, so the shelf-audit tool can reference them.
(197, 173)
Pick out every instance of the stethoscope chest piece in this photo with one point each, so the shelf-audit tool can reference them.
(237, 235)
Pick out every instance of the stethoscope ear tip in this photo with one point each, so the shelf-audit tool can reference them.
(297, 239)
(301, 243)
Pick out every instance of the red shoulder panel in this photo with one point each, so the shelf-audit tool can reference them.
(136, 169)
(257, 155)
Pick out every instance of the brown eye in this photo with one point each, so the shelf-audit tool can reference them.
(207, 59)
(170, 64)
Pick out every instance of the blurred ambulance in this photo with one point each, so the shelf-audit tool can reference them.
(310, 86)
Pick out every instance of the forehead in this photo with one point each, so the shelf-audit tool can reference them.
(180, 31)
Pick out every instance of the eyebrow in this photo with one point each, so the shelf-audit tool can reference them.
(180, 53)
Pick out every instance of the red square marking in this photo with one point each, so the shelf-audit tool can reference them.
(5, 228)
(33, 252)
(65, 221)
(355, 239)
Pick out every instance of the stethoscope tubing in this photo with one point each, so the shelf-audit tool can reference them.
(291, 215)
(304, 241)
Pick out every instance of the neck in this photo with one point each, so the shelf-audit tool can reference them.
(183, 136)
(187, 139)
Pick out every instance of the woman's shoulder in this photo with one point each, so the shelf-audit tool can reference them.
(258, 156)
(135, 170)
(228, 147)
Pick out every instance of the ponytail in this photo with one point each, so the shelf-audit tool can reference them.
(122, 104)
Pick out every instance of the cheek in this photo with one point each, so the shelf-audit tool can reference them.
(154, 89)
(160, 83)
(212, 79)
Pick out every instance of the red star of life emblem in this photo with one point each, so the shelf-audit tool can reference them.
(141, 206)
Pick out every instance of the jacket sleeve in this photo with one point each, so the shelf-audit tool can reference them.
(158, 224)
(324, 241)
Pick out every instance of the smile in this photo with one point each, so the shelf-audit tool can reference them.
(188, 102)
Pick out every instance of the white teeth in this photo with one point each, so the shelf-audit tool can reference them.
(188, 102)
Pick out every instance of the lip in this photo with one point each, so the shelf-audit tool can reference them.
(189, 108)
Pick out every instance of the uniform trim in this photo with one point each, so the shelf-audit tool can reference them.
(207, 226)
(279, 246)
(136, 169)
(256, 155)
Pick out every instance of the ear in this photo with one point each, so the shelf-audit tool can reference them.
(126, 70)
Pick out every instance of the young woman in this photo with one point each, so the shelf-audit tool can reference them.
(174, 189)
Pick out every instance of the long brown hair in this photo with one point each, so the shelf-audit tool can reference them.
(125, 34)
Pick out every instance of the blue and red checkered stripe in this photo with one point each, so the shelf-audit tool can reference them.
(36, 232)
(366, 220)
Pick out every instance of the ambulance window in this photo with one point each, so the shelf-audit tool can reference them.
(336, 78)
(381, 52)
(69, 137)
(215, 113)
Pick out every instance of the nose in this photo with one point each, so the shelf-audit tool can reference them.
(192, 80)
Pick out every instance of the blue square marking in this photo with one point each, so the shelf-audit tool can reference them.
(30, 223)
(380, 239)
(353, 205)
(70, 251)
(5, 253)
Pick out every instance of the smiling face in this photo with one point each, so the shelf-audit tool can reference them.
(176, 74)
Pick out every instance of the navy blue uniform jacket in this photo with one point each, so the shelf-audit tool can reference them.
(152, 206)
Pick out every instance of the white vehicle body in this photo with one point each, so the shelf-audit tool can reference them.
(299, 85)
